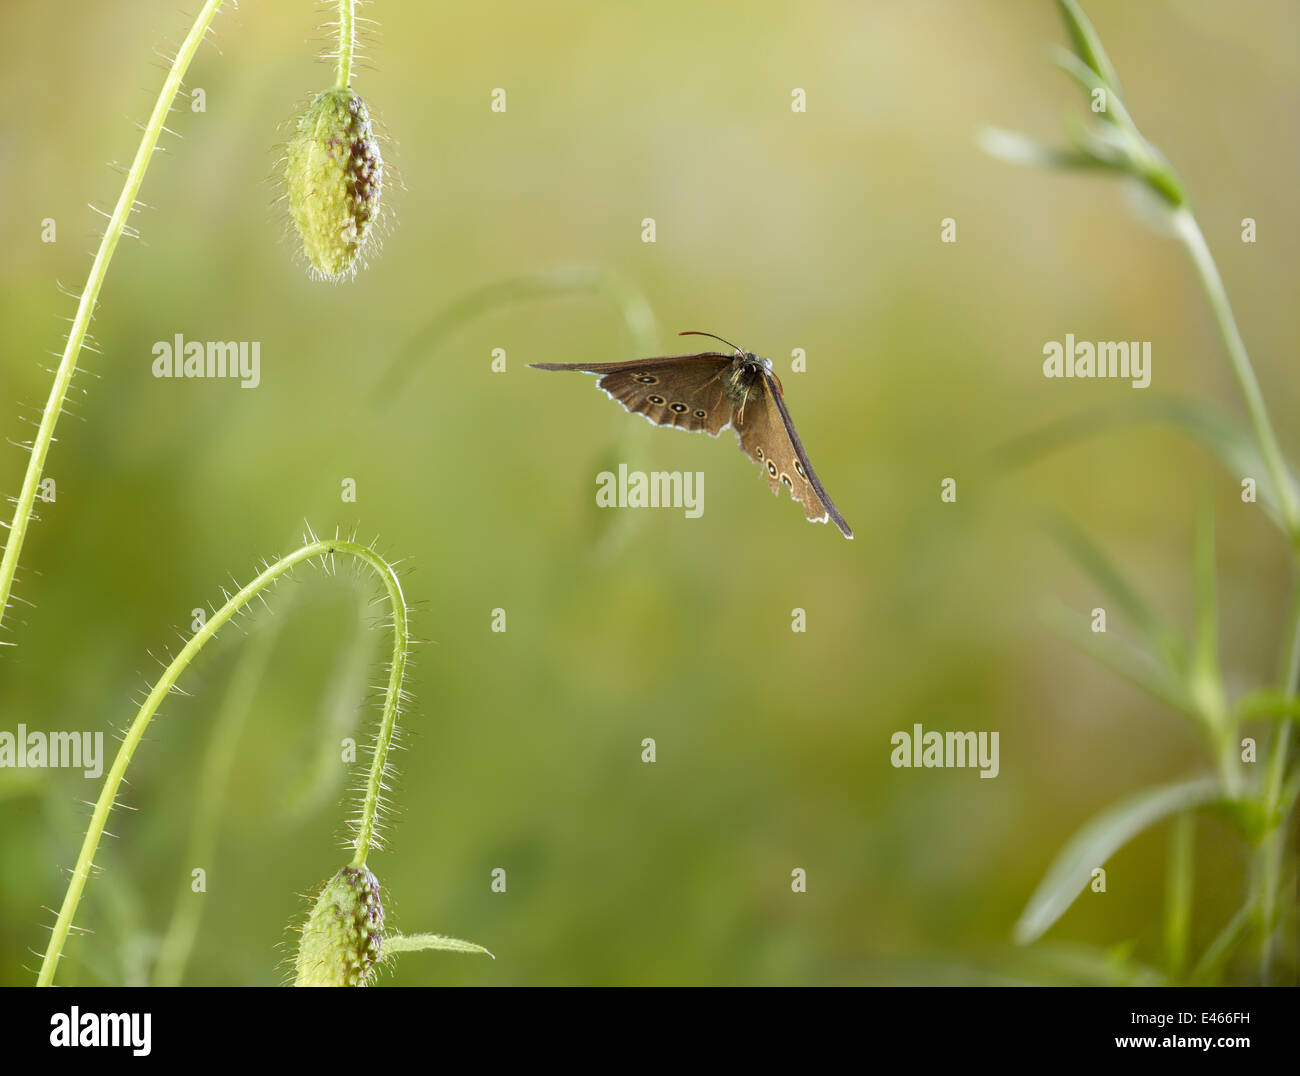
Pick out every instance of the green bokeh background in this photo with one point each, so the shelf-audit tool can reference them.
(779, 230)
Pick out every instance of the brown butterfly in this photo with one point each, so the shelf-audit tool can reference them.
(709, 392)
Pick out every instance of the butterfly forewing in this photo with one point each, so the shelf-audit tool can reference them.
(685, 391)
(689, 397)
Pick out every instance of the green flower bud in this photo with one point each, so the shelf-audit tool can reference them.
(335, 176)
(341, 940)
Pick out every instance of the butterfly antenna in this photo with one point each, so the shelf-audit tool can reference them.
(695, 332)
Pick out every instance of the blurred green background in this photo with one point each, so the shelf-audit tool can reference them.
(778, 230)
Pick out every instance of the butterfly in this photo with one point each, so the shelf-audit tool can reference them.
(707, 393)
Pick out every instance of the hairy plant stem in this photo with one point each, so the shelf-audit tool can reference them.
(347, 42)
(364, 835)
(90, 296)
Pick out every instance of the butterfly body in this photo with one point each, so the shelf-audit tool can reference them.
(706, 393)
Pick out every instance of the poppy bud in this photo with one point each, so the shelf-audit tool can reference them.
(335, 177)
(341, 940)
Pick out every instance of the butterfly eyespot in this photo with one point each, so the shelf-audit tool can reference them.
(799, 467)
(656, 400)
(678, 407)
(648, 379)
(699, 413)
(771, 468)
(760, 452)
(786, 479)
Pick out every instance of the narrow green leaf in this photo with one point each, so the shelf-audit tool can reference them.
(1139, 669)
(1290, 792)
(1208, 967)
(1102, 146)
(1267, 703)
(1087, 42)
(412, 943)
(1234, 448)
(1114, 112)
(1164, 640)
(1016, 148)
(1093, 845)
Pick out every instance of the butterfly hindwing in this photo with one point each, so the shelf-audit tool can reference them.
(768, 437)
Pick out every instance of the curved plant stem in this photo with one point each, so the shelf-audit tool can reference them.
(347, 42)
(1268, 864)
(90, 296)
(364, 836)
(1194, 240)
(638, 317)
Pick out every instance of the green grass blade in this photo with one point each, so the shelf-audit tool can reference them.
(1267, 703)
(1164, 641)
(1234, 448)
(1139, 669)
(1209, 966)
(1093, 845)
(1016, 148)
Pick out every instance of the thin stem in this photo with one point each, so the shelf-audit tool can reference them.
(364, 837)
(1269, 863)
(638, 317)
(1178, 893)
(1190, 233)
(90, 296)
(347, 42)
(1268, 866)
(1224, 942)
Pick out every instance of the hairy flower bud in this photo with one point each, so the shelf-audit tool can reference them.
(335, 177)
(341, 940)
